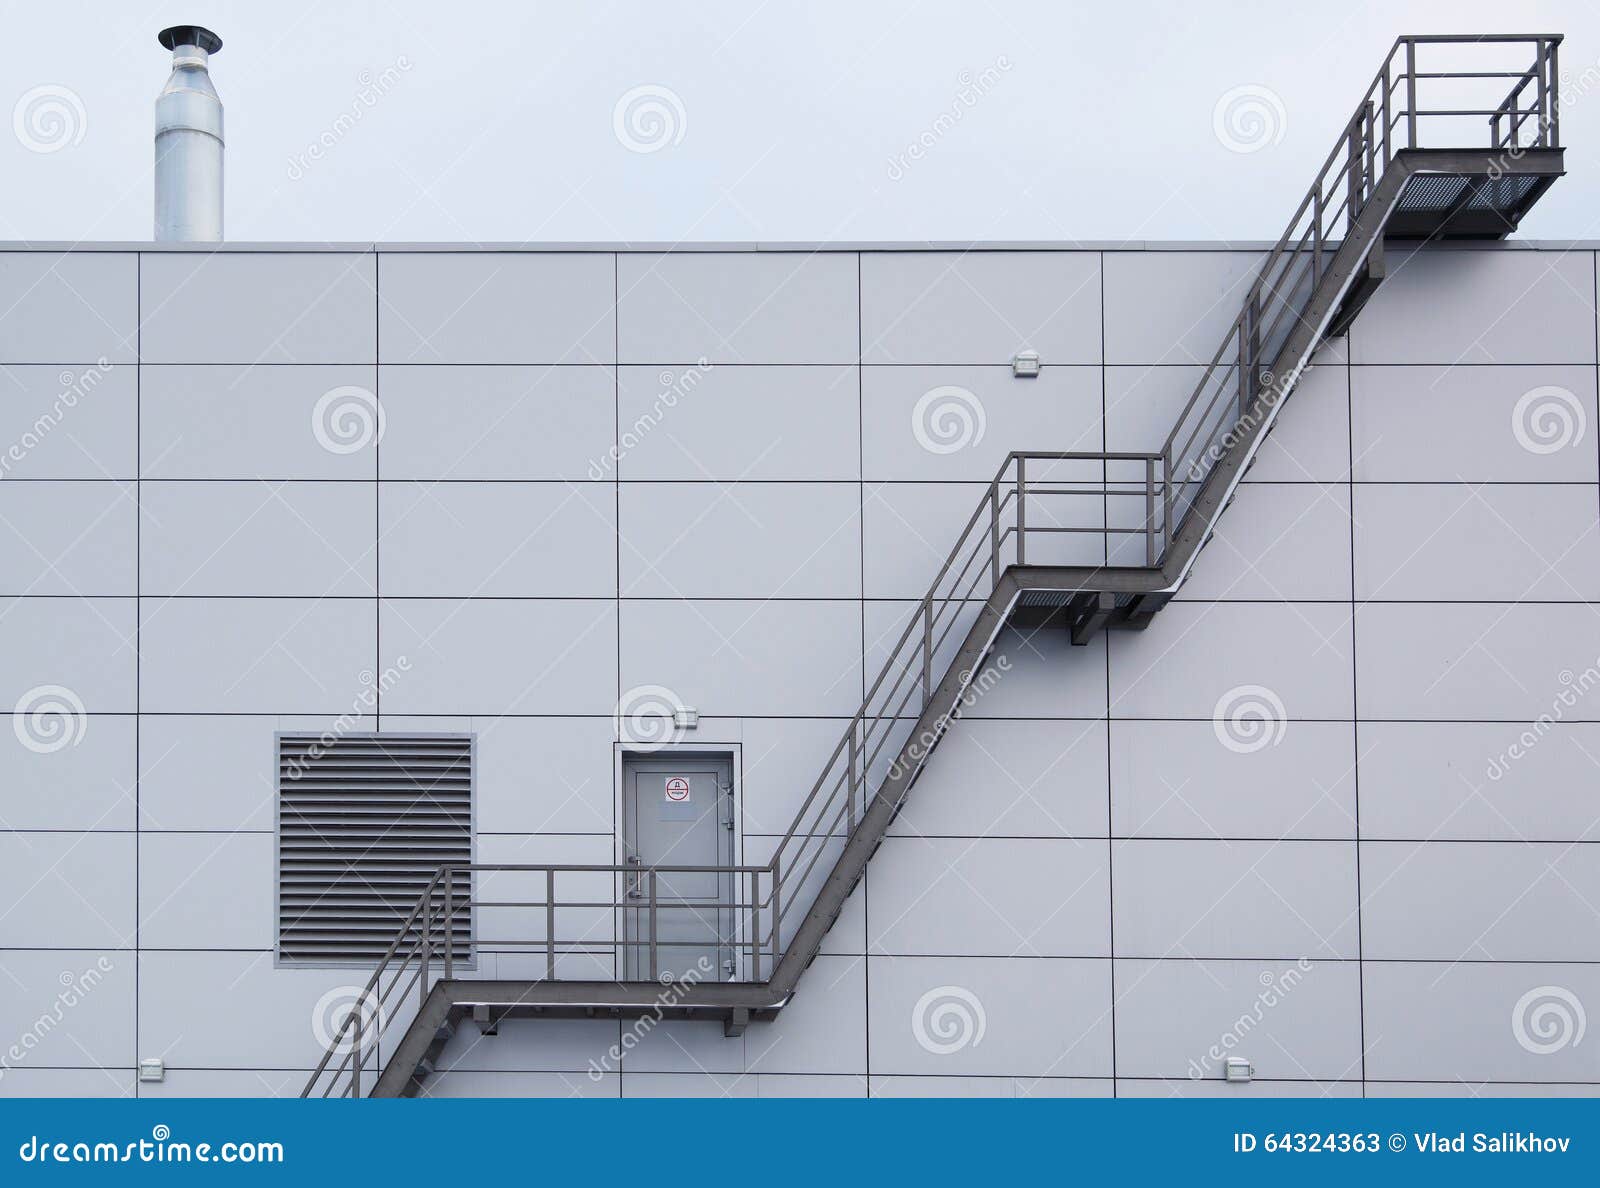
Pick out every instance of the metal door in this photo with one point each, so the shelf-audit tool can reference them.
(677, 812)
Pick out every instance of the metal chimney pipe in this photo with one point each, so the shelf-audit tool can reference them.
(189, 141)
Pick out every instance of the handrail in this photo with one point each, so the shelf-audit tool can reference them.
(1389, 119)
(433, 949)
(1143, 500)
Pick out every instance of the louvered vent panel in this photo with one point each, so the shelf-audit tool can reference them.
(364, 821)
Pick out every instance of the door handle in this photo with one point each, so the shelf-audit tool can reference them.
(636, 879)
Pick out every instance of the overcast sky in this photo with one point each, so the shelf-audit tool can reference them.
(580, 120)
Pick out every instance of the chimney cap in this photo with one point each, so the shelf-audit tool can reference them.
(196, 35)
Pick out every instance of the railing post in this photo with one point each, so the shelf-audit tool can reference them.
(1166, 498)
(449, 923)
(1388, 116)
(1541, 90)
(1411, 93)
(1242, 380)
(1359, 151)
(1022, 520)
(427, 945)
(927, 649)
(777, 911)
(852, 778)
(1150, 511)
(1370, 157)
(550, 921)
(1553, 139)
(755, 924)
(1355, 167)
(355, 1055)
(994, 531)
(654, 959)
(1255, 330)
(1316, 232)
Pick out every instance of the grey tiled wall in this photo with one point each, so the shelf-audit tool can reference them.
(1083, 859)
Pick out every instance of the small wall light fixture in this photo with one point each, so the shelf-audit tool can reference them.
(1025, 364)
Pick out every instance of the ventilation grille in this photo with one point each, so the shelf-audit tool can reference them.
(364, 822)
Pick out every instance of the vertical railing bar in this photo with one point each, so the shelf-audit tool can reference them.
(1150, 512)
(1166, 499)
(427, 946)
(550, 920)
(655, 971)
(1541, 91)
(777, 912)
(1370, 159)
(994, 531)
(355, 1064)
(755, 926)
(927, 649)
(1246, 364)
(1388, 118)
(1022, 519)
(1316, 234)
(449, 922)
(853, 776)
(1411, 93)
(1353, 176)
(1255, 330)
(1553, 139)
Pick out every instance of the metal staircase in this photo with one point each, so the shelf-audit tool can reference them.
(1091, 541)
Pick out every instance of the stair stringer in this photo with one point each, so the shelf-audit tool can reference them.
(1311, 327)
(929, 729)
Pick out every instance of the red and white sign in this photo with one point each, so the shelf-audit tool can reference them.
(678, 790)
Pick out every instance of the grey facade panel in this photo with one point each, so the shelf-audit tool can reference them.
(540, 500)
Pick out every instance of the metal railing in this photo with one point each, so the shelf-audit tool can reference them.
(554, 921)
(1042, 508)
(1407, 106)
(1107, 510)
(613, 922)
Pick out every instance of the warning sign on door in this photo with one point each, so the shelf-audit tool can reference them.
(678, 790)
